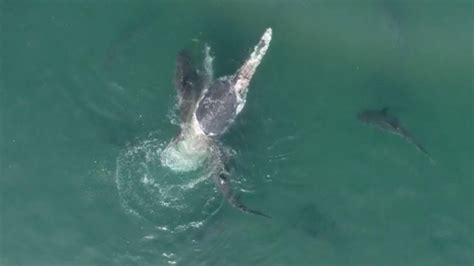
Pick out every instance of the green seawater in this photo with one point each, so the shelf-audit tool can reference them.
(87, 102)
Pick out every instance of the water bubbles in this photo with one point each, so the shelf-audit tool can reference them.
(175, 200)
(187, 153)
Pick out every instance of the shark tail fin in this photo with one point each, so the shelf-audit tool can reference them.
(221, 178)
(420, 148)
(432, 161)
(235, 202)
(423, 150)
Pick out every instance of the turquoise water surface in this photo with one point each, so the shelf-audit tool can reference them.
(87, 104)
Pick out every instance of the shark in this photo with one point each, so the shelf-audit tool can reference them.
(383, 120)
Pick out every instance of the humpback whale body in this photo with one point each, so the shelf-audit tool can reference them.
(384, 121)
(225, 97)
(207, 108)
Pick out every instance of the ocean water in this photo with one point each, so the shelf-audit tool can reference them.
(87, 104)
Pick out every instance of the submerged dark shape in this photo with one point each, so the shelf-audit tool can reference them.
(188, 85)
(207, 109)
(314, 223)
(222, 179)
(384, 121)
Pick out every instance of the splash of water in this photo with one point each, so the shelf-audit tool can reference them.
(168, 184)
(175, 200)
(187, 152)
(190, 149)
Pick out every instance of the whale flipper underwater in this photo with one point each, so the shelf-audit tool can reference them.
(187, 83)
(207, 109)
(384, 121)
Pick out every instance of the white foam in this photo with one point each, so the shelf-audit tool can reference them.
(187, 152)
(208, 66)
(159, 194)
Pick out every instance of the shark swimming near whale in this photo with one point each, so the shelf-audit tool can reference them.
(384, 121)
(207, 108)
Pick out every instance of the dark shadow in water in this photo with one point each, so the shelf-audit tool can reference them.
(314, 223)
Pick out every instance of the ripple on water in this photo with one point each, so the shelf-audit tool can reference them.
(173, 200)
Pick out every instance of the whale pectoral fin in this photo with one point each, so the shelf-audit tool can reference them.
(244, 74)
(187, 85)
(184, 72)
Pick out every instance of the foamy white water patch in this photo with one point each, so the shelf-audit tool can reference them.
(176, 200)
(187, 152)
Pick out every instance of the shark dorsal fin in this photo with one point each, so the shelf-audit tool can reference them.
(384, 110)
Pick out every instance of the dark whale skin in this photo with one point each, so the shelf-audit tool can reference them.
(218, 108)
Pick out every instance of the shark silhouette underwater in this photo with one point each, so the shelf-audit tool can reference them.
(207, 108)
(384, 121)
